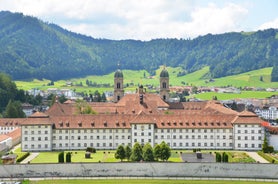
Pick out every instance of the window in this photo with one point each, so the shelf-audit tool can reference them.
(174, 136)
(150, 127)
(46, 132)
(32, 132)
(123, 137)
(253, 138)
(199, 144)
(78, 137)
(150, 134)
(162, 136)
(246, 138)
(39, 139)
(205, 144)
(246, 131)
(72, 137)
(150, 140)
(98, 137)
(60, 137)
(199, 136)
(180, 136)
(117, 137)
(135, 127)
(85, 144)
(164, 85)
(224, 136)
(66, 137)
(39, 146)
(25, 132)
(142, 133)
(135, 133)
(26, 138)
(238, 138)
(46, 138)
(32, 138)
(238, 131)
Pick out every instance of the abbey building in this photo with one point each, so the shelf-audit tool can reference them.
(142, 117)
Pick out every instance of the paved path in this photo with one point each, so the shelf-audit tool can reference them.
(29, 158)
(257, 157)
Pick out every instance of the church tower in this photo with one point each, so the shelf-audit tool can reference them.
(118, 85)
(164, 85)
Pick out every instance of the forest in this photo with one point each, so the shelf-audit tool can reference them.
(31, 48)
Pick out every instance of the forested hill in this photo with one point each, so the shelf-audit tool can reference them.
(30, 48)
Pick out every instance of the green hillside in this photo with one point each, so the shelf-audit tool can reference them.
(33, 49)
(251, 79)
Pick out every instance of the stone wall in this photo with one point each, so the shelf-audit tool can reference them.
(209, 170)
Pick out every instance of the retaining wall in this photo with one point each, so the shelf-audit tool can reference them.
(213, 170)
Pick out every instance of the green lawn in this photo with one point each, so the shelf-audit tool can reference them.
(227, 96)
(241, 157)
(143, 181)
(196, 78)
(77, 156)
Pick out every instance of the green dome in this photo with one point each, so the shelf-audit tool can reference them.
(118, 74)
(164, 73)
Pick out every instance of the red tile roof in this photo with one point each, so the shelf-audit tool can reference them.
(15, 134)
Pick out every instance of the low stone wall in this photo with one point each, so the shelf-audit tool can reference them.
(209, 170)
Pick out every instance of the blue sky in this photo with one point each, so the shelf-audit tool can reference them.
(150, 19)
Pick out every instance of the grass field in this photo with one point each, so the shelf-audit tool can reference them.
(143, 181)
(77, 156)
(100, 156)
(251, 78)
(227, 96)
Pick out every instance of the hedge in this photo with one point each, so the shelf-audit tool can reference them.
(20, 159)
(267, 157)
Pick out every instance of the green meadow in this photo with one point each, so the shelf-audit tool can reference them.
(256, 78)
(143, 181)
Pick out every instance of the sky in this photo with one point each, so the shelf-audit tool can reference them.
(151, 19)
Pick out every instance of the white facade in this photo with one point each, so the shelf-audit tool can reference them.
(44, 138)
(248, 136)
(36, 138)
(269, 114)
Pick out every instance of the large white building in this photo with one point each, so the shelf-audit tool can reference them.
(270, 113)
(142, 117)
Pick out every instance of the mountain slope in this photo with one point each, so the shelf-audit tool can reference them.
(30, 48)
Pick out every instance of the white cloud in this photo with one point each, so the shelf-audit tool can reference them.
(271, 24)
(134, 19)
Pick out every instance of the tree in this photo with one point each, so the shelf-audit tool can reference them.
(136, 154)
(103, 97)
(148, 153)
(120, 152)
(62, 98)
(14, 110)
(194, 90)
(84, 108)
(165, 151)
(127, 152)
(157, 152)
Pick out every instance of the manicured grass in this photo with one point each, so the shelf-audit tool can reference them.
(241, 157)
(19, 153)
(175, 157)
(143, 181)
(77, 156)
(271, 157)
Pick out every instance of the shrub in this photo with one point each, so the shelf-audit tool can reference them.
(68, 157)
(20, 159)
(91, 150)
(218, 157)
(61, 157)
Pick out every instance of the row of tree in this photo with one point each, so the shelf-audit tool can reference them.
(146, 153)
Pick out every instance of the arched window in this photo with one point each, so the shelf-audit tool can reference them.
(164, 85)
(164, 97)
(118, 97)
(118, 85)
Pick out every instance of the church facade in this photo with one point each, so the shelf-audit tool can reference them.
(145, 118)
